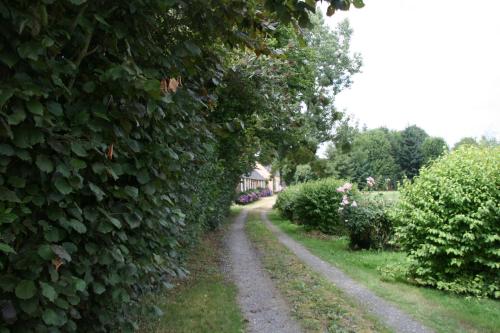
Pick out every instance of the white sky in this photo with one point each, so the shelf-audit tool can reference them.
(435, 64)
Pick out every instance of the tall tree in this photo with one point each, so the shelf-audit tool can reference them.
(465, 141)
(371, 156)
(409, 155)
(300, 85)
(432, 148)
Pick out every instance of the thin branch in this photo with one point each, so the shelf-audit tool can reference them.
(83, 53)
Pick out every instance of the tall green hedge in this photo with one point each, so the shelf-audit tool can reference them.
(107, 167)
(448, 220)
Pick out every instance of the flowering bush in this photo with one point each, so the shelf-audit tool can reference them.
(370, 182)
(335, 207)
(448, 222)
(315, 204)
(252, 195)
(265, 192)
(368, 223)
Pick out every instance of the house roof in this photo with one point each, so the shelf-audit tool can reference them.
(255, 175)
(263, 171)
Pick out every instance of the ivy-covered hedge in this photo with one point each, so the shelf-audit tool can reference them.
(448, 222)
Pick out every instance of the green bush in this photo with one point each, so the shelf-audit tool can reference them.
(448, 220)
(315, 205)
(368, 223)
(286, 201)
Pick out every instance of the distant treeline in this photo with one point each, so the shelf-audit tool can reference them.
(389, 156)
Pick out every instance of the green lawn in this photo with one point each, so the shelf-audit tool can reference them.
(391, 196)
(317, 304)
(442, 311)
(204, 302)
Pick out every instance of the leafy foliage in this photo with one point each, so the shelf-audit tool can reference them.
(448, 222)
(368, 223)
(315, 75)
(286, 201)
(371, 155)
(303, 173)
(432, 148)
(386, 155)
(314, 204)
(409, 153)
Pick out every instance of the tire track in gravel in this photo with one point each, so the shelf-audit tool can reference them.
(261, 304)
(390, 315)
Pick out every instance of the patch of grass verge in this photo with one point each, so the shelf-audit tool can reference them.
(203, 302)
(317, 304)
(442, 311)
(389, 196)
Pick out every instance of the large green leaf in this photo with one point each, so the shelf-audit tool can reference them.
(80, 285)
(17, 182)
(25, 289)
(44, 163)
(132, 191)
(48, 291)
(5, 95)
(143, 176)
(61, 252)
(53, 318)
(6, 149)
(78, 149)
(63, 186)
(35, 107)
(55, 108)
(97, 191)
(17, 115)
(358, 3)
(45, 252)
(98, 288)
(6, 248)
(8, 195)
(78, 226)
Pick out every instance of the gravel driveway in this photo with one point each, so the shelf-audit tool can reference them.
(390, 315)
(261, 304)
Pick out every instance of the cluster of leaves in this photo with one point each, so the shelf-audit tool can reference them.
(388, 156)
(483, 141)
(368, 224)
(447, 221)
(286, 200)
(119, 144)
(315, 205)
(310, 78)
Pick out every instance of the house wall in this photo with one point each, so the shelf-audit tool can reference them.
(273, 182)
(248, 183)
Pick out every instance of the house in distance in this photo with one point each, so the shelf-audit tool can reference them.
(261, 177)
